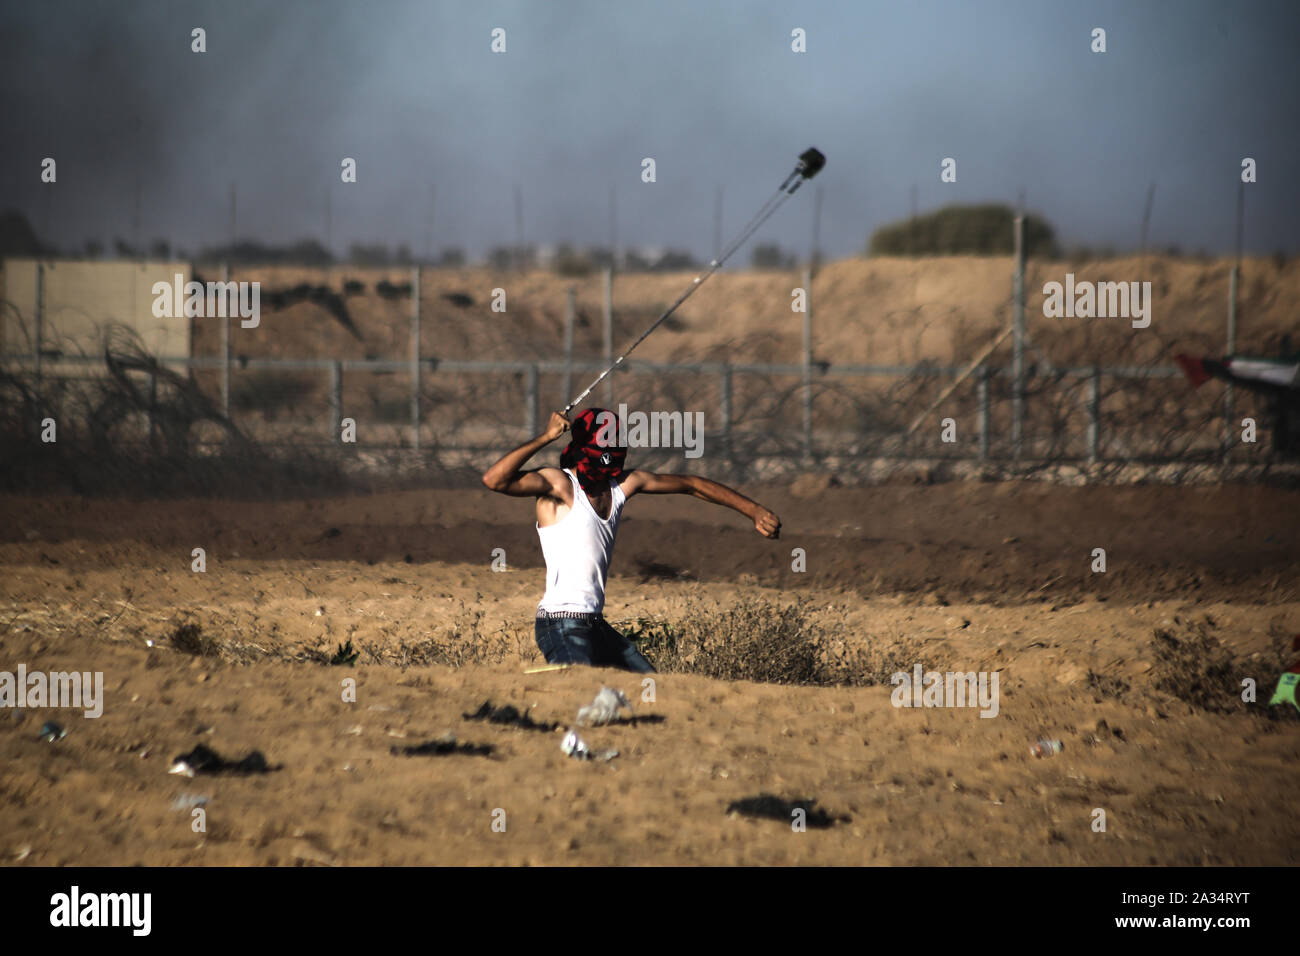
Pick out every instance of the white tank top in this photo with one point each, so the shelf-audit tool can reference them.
(577, 549)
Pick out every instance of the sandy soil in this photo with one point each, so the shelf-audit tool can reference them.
(969, 576)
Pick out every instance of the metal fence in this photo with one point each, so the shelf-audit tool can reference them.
(751, 410)
(804, 412)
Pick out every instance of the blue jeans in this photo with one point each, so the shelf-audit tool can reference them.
(589, 641)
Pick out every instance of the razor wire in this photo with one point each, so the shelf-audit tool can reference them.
(159, 419)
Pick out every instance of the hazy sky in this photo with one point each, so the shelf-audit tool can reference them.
(711, 90)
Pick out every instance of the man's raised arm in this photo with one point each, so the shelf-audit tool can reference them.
(766, 522)
(506, 477)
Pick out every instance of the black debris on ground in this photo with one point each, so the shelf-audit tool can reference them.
(444, 746)
(510, 716)
(203, 759)
(640, 719)
(766, 806)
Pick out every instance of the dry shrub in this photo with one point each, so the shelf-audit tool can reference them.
(1107, 686)
(1197, 669)
(876, 660)
(465, 642)
(462, 640)
(188, 638)
(761, 640)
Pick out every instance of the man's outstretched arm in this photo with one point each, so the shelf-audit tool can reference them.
(506, 477)
(766, 522)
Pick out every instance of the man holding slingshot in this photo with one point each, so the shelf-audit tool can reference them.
(578, 509)
(579, 503)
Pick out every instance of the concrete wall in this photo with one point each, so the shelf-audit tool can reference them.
(82, 299)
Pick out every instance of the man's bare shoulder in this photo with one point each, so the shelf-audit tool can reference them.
(639, 480)
(556, 480)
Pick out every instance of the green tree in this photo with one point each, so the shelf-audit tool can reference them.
(985, 230)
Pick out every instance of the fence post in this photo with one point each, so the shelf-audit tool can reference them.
(982, 393)
(570, 312)
(336, 401)
(39, 319)
(153, 405)
(1094, 415)
(807, 365)
(609, 334)
(531, 402)
(1018, 347)
(225, 347)
(726, 410)
(1232, 348)
(415, 358)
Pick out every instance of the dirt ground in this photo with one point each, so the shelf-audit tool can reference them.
(988, 577)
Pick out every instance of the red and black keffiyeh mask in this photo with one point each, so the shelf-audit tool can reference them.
(593, 453)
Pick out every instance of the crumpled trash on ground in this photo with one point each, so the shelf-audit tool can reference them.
(1287, 685)
(1289, 682)
(1047, 748)
(604, 708)
(203, 759)
(576, 747)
